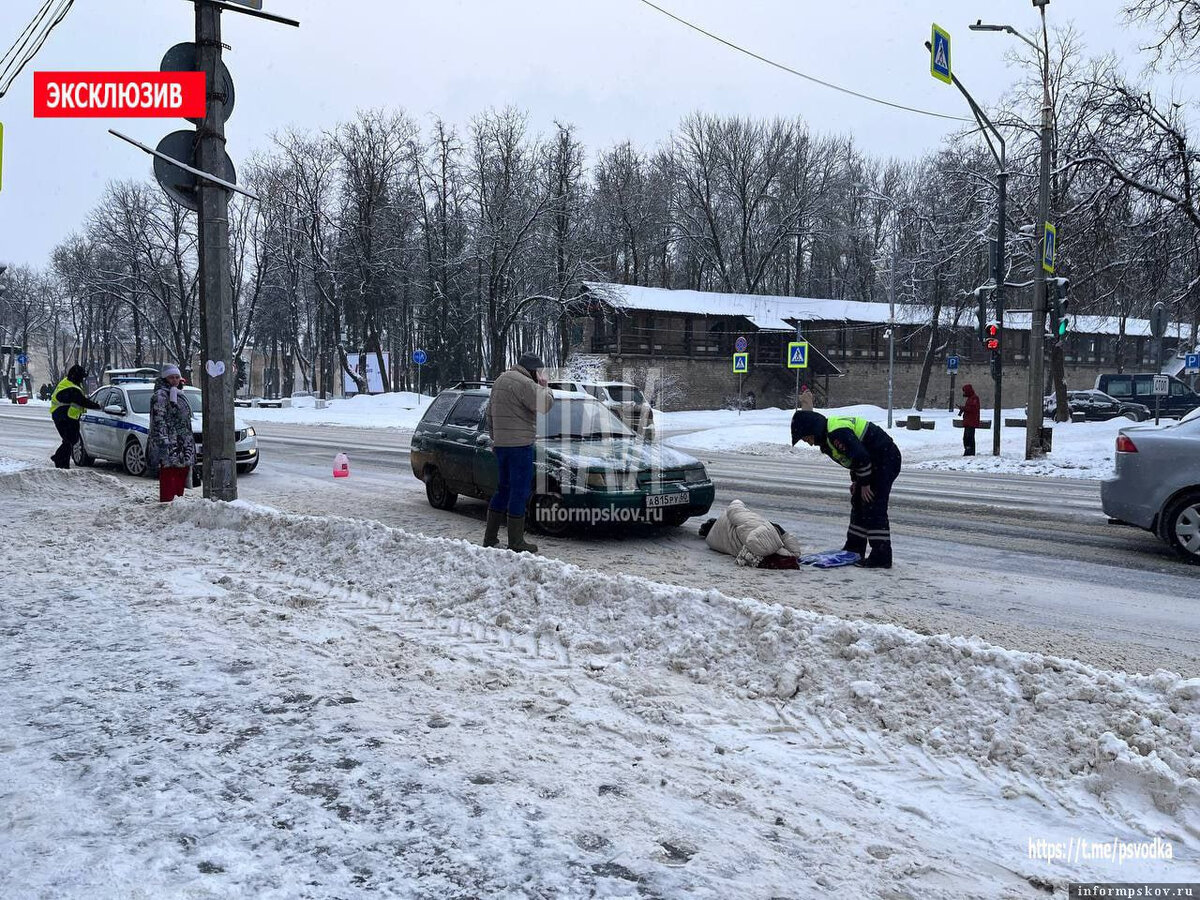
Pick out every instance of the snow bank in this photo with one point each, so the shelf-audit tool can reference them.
(225, 700)
(1081, 449)
(961, 698)
(401, 409)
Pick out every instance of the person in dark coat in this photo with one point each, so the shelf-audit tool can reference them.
(171, 447)
(970, 417)
(874, 462)
(67, 403)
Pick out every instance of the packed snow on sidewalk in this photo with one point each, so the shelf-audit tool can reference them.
(1081, 449)
(202, 699)
(401, 409)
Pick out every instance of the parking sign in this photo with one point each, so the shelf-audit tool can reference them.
(951, 365)
(1191, 363)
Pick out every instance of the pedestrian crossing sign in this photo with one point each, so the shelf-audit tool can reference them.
(1049, 249)
(798, 355)
(741, 363)
(939, 55)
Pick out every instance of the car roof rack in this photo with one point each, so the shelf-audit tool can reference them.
(469, 385)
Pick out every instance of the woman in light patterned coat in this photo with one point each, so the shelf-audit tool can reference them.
(171, 446)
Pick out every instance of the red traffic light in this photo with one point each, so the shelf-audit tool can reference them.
(992, 336)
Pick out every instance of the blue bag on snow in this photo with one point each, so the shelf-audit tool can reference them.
(830, 559)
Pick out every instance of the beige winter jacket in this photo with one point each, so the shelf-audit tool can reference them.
(513, 409)
(744, 534)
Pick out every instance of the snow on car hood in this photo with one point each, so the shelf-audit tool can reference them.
(618, 453)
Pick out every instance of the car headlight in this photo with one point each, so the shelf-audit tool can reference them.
(250, 432)
(693, 474)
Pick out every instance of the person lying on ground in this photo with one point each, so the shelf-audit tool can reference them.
(750, 539)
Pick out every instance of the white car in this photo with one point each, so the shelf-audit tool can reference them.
(118, 431)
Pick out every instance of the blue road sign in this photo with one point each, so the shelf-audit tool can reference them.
(741, 363)
(1191, 363)
(939, 55)
(22, 359)
(798, 355)
(420, 357)
(1049, 247)
(740, 345)
(951, 365)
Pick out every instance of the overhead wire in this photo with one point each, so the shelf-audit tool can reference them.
(31, 40)
(799, 74)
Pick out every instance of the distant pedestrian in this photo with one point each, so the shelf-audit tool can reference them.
(518, 397)
(874, 462)
(171, 447)
(970, 417)
(67, 403)
(750, 539)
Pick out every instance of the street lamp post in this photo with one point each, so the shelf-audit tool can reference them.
(992, 137)
(1037, 327)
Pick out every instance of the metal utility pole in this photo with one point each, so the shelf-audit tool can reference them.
(216, 293)
(991, 135)
(892, 323)
(1033, 420)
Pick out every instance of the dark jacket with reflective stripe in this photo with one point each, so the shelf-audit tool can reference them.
(857, 445)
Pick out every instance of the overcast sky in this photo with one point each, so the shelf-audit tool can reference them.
(615, 68)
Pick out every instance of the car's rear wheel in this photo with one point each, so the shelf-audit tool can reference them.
(134, 458)
(80, 456)
(549, 515)
(1181, 526)
(437, 491)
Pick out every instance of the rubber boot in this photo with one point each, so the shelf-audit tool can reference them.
(880, 558)
(491, 532)
(516, 536)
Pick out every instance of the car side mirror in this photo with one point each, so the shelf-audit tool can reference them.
(113, 410)
(483, 439)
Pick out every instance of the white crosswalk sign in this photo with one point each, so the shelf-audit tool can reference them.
(741, 363)
(798, 355)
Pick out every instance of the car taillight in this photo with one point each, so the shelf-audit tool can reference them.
(1125, 445)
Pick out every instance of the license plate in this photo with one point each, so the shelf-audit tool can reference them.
(654, 501)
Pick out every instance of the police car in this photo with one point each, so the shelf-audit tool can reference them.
(118, 431)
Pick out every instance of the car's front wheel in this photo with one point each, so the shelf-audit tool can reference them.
(437, 491)
(134, 458)
(247, 468)
(80, 456)
(1181, 526)
(549, 515)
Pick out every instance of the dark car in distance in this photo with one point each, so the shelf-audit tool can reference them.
(1138, 387)
(590, 468)
(1097, 406)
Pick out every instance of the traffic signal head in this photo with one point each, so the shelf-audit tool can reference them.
(1062, 304)
(991, 338)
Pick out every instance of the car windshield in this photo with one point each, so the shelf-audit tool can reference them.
(624, 393)
(580, 419)
(140, 400)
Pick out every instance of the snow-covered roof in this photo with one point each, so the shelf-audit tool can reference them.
(769, 313)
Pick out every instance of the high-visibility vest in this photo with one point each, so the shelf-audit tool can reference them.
(856, 424)
(76, 410)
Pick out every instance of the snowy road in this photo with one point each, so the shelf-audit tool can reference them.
(1030, 563)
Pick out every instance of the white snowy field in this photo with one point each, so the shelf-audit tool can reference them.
(1081, 449)
(401, 409)
(221, 700)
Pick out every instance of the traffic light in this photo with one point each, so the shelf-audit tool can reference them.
(991, 338)
(981, 311)
(1062, 322)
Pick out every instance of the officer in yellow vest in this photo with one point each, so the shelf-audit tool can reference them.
(874, 462)
(67, 404)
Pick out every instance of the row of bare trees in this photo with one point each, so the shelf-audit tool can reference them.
(380, 236)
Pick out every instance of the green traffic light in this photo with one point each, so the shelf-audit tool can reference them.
(1062, 327)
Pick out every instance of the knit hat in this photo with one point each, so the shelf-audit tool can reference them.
(808, 424)
(530, 362)
(171, 370)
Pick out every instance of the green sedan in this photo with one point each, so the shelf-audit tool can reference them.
(589, 468)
